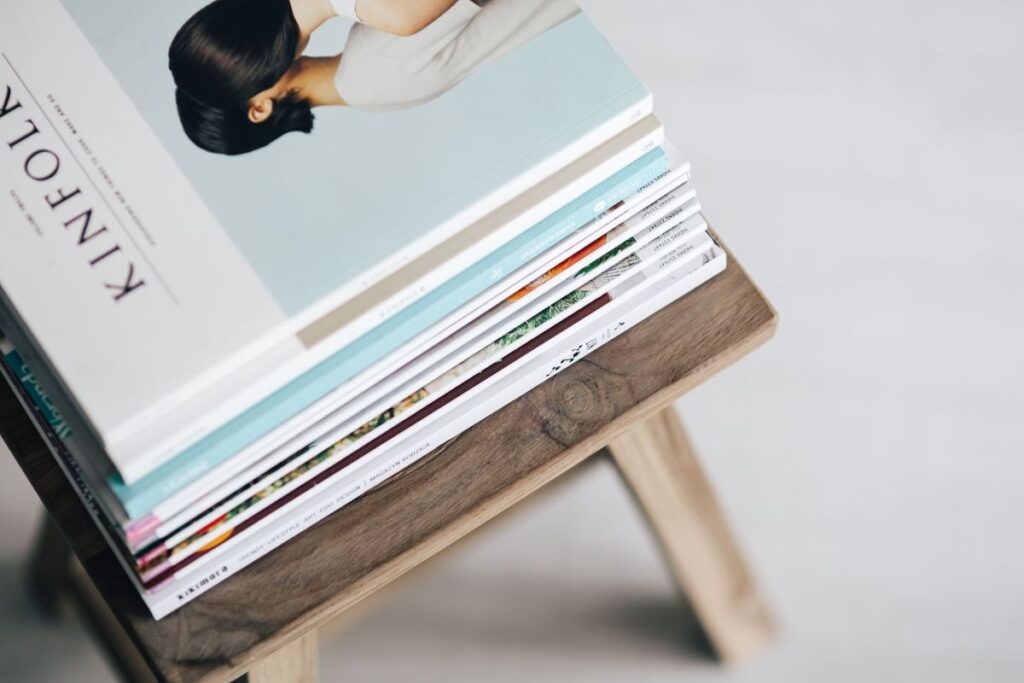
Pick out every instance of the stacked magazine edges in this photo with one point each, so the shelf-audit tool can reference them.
(227, 329)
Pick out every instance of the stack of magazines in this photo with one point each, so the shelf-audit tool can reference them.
(258, 256)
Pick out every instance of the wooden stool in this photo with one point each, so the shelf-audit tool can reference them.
(263, 622)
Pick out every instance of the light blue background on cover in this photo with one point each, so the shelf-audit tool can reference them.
(311, 212)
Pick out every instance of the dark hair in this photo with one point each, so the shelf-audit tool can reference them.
(224, 55)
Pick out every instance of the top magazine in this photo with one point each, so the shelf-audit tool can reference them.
(201, 201)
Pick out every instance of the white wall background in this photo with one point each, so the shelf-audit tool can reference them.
(864, 160)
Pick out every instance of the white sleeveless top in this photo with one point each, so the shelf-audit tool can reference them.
(381, 71)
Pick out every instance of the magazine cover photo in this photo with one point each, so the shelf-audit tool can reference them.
(244, 78)
(300, 123)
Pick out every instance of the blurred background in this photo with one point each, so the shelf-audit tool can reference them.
(864, 162)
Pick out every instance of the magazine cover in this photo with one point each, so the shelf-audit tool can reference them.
(196, 183)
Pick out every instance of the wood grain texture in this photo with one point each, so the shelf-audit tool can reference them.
(410, 518)
(658, 463)
(296, 662)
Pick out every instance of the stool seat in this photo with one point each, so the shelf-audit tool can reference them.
(285, 596)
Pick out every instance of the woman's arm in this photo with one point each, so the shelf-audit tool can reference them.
(401, 17)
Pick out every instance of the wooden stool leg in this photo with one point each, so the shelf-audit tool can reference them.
(296, 662)
(54, 573)
(658, 463)
(106, 630)
(48, 566)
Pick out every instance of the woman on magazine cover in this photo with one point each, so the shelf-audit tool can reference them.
(242, 80)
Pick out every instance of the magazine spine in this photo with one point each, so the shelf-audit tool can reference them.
(32, 403)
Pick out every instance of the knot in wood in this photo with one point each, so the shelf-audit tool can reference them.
(578, 398)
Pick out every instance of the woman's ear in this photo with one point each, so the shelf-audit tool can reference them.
(260, 108)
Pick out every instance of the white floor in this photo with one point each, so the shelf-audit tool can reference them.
(864, 160)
